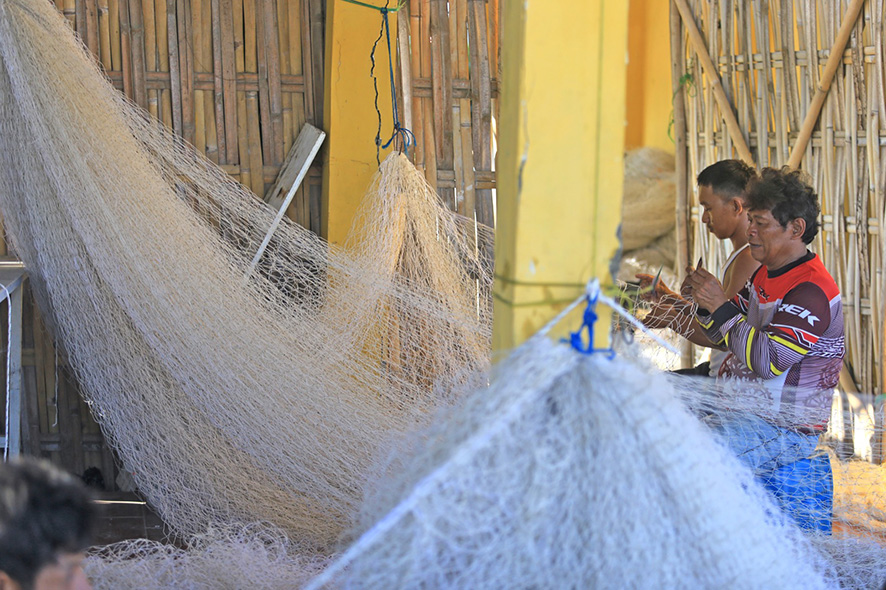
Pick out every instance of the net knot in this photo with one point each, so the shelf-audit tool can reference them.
(589, 318)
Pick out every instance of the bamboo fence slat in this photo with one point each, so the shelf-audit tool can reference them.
(804, 79)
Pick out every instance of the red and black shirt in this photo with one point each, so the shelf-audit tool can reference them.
(786, 328)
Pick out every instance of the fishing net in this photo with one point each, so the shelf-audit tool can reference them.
(229, 399)
(577, 471)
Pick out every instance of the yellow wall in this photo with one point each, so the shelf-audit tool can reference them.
(649, 75)
(350, 119)
(560, 160)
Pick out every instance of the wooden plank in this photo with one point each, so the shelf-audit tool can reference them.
(290, 178)
(195, 42)
(481, 105)
(298, 161)
(152, 53)
(91, 22)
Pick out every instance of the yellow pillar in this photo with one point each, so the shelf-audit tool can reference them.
(349, 116)
(560, 160)
(649, 92)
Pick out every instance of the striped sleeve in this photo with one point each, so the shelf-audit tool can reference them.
(800, 320)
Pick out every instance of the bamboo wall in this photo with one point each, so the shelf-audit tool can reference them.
(451, 103)
(770, 56)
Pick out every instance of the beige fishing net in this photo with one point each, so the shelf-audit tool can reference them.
(228, 400)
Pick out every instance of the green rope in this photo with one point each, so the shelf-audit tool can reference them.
(612, 291)
(378, 8)
(531, 284)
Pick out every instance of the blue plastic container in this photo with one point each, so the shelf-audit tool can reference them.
(804, 490)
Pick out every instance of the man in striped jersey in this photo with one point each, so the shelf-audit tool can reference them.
(784, 330)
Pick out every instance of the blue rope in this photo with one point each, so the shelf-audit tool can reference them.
(589, 319)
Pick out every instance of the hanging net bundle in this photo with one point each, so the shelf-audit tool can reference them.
(228, 399)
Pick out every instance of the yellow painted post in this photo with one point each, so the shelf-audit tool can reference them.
(349, 116)
(560, 160)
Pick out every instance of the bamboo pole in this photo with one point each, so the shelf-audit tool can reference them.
(218, 82)
(271, 41)
(165, 94)
(137, 49)
(403, 20)
(710, 71)
(151, 54)
(114, 34)
(174, 68)
(834, 59)
(125, 47)
(679, 130)
(104, 36)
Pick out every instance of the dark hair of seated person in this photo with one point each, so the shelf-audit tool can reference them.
(44, 514)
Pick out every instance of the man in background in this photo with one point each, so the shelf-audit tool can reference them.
(46, 520)
(721, 193)
(784, 330)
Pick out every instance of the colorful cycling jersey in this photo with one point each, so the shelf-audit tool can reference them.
(786, 328)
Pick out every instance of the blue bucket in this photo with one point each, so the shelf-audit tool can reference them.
(804, 490)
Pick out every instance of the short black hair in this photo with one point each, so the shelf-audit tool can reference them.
(727, 178)
(44, 513)
(788, 196)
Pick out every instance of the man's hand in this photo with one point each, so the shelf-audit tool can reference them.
(705, 289)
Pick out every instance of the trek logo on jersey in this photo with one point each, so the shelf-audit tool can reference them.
(800, 312)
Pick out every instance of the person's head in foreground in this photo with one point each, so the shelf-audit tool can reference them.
(783, 213)
(721, 193)
(46, 520)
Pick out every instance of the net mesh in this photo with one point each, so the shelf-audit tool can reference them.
(329, 417)
(588, 472)
(228, 400)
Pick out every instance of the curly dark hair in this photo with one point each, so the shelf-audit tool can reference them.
(727, 178)
(787, 194)
(44, 512)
